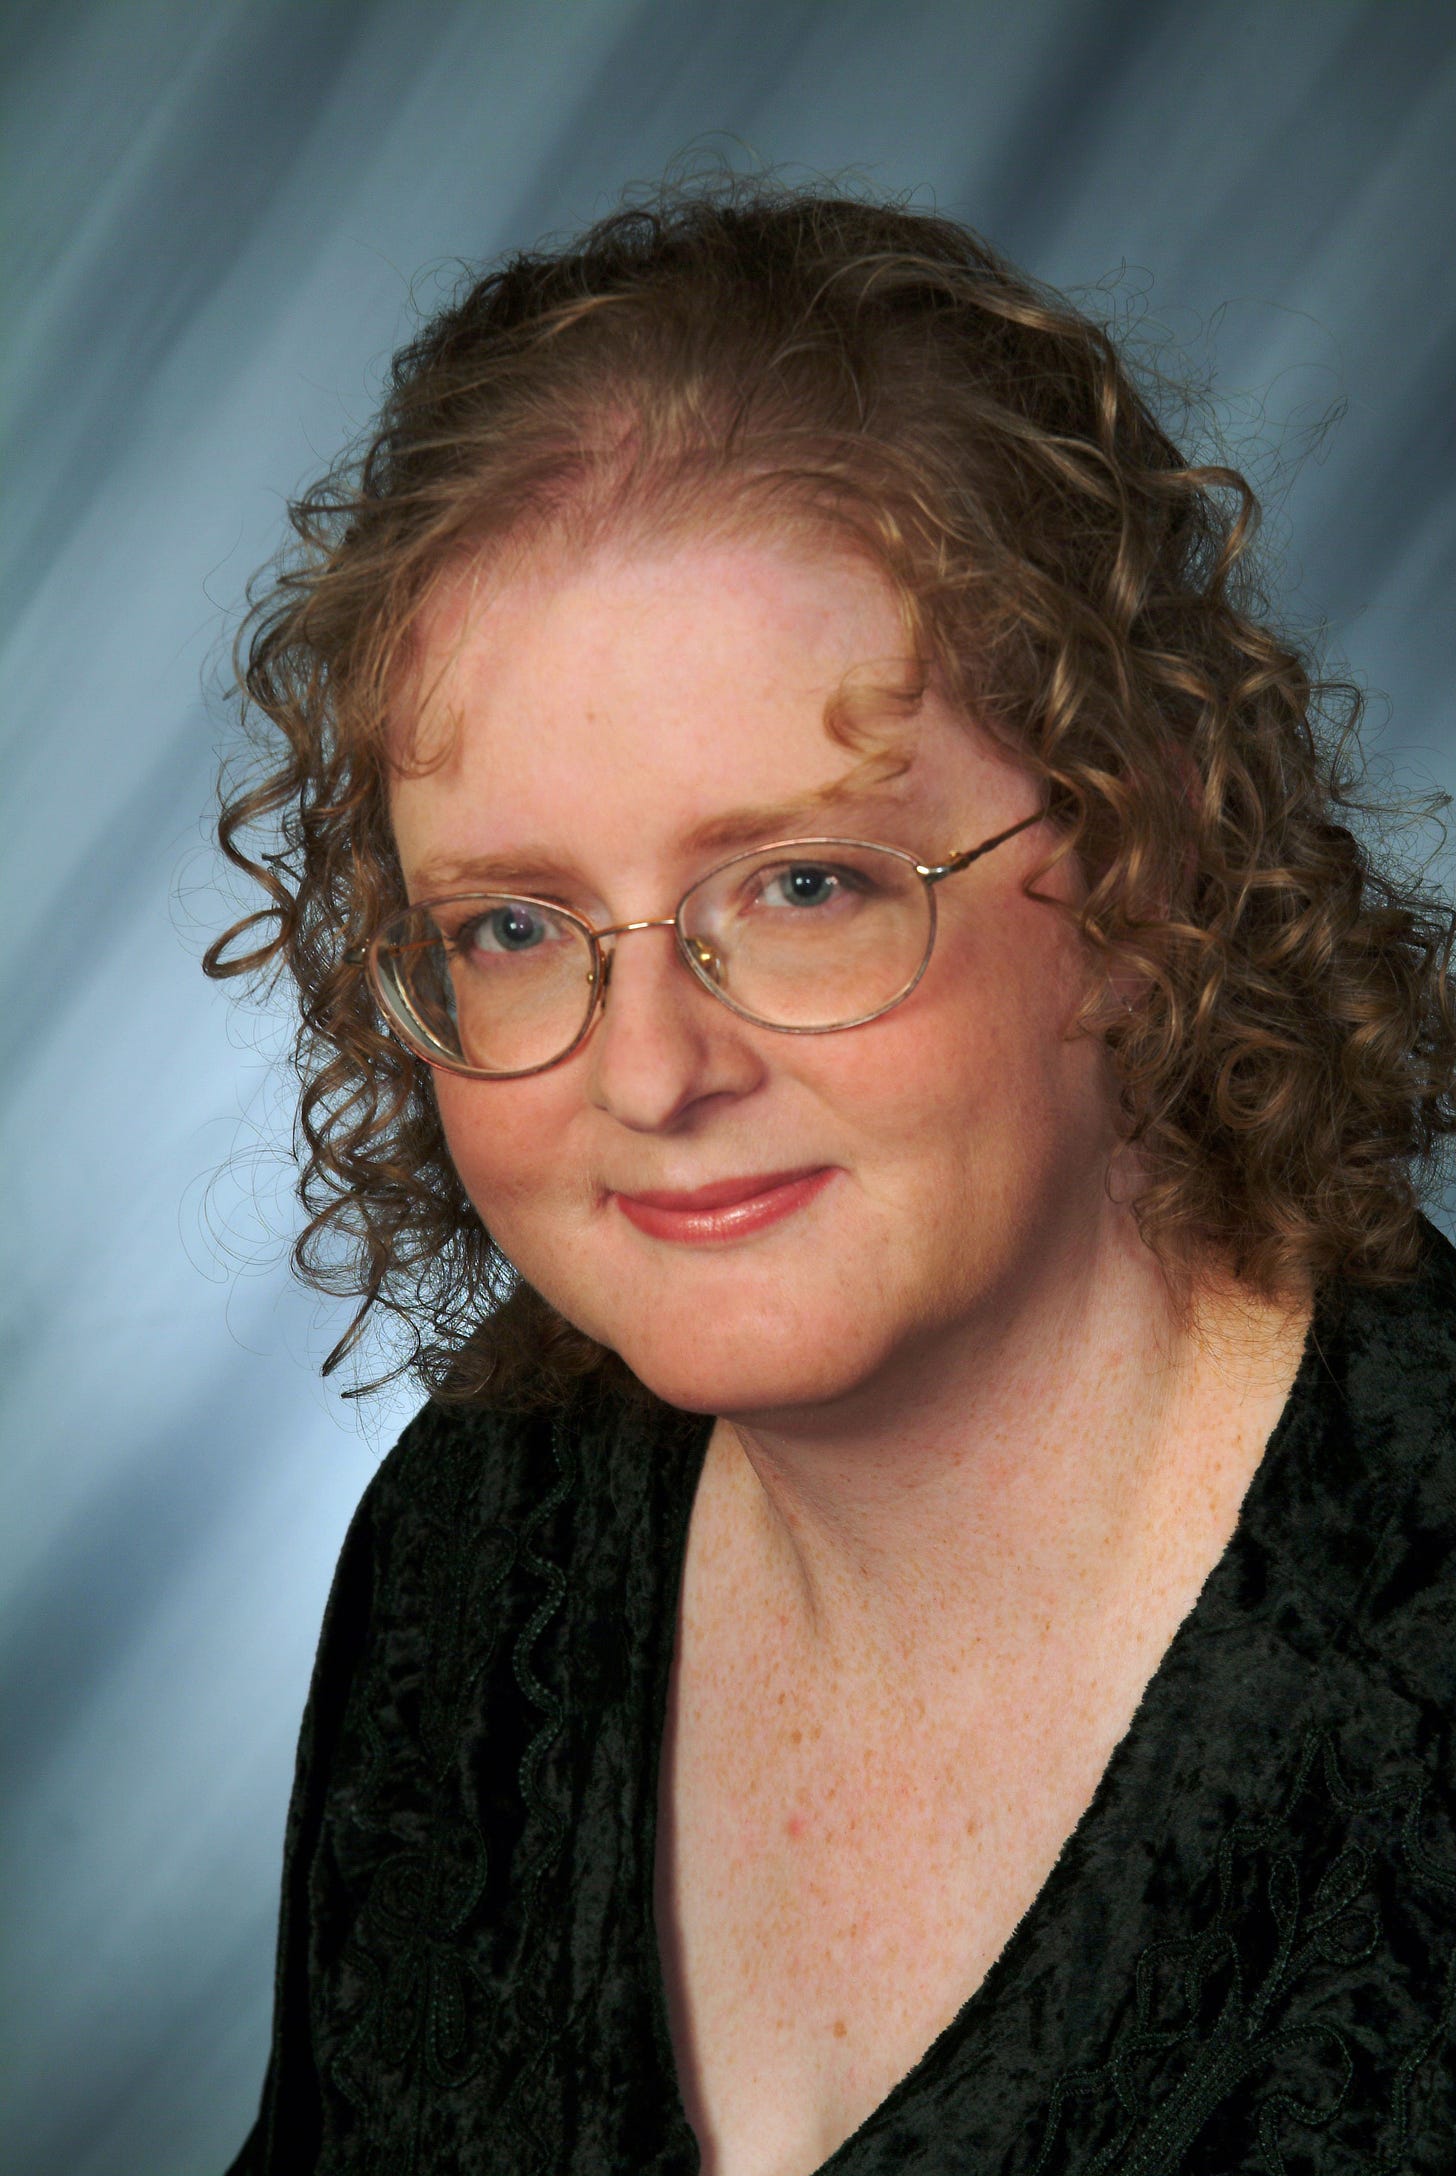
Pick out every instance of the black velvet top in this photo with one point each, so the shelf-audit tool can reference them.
(1244, 1959)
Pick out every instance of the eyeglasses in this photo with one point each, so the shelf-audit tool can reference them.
(806, 936)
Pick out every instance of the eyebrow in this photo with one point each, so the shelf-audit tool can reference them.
(532, 867)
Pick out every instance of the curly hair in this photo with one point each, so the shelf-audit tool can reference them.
(1092, 600)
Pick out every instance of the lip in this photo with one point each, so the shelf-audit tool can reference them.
(726, 1209)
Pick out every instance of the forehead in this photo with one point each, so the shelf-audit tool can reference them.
(767, 618)
(651, 688)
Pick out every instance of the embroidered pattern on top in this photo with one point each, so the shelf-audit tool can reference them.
(1257, 1992)
(425, 2011)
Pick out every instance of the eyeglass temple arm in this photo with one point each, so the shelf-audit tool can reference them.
(974, 853)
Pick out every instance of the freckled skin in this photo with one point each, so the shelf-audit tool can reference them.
(607, 708)
(969, 1473)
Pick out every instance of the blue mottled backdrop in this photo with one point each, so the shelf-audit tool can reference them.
(214, 217)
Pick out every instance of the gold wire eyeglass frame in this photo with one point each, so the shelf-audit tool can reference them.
(695, 956)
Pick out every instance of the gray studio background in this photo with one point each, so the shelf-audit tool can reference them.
(213, 217)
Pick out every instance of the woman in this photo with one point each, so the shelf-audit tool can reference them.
(839, 1008)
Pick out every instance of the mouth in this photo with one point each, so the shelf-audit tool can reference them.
(726, 1209)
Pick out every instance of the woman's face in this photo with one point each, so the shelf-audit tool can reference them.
(597, 716)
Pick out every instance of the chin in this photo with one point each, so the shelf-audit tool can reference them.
(751, 1373)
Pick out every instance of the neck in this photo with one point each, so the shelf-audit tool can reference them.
(1068, 1450)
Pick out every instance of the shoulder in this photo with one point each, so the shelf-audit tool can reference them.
(474, 1462)
(474, 1466)
(474, 1506)
(449, 1466)
(1390, 1447)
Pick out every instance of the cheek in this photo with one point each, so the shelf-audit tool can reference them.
(504, 1139)
(987, 1049)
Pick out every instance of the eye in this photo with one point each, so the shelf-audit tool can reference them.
(512, 927)
(807, 884)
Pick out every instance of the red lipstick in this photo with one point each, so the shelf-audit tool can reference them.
(728, 1209)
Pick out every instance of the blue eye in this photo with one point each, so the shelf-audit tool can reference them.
(511, 928)
(809, 887)
(805, 884)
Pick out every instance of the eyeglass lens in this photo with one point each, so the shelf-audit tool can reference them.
(505, 985)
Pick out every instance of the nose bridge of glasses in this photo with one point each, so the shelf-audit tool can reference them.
(700, 954)
(623, 929)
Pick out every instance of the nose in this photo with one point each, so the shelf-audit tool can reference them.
(662, 1045)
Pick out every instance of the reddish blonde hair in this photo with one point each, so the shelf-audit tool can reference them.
(1091, 598)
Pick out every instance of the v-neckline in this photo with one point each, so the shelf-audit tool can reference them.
(1299, 1414)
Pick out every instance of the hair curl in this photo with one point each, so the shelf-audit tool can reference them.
(1088, 596)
